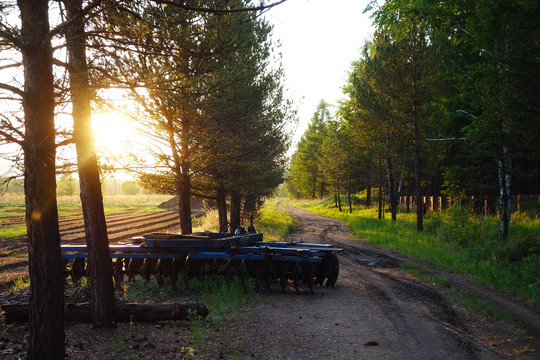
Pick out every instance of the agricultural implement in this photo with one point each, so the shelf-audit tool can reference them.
(242, 254)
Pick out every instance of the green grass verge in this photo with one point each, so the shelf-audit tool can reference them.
(454, 240)
(14, 231)
(274, 223)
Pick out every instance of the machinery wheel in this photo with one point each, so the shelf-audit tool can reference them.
(332, 269)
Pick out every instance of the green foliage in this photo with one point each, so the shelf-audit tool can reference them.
(305, 178)
(275, 224)
(66, 186)
(129, 187)
(448, 86)
(456, 240)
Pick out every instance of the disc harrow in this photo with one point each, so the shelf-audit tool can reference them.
(168, 256)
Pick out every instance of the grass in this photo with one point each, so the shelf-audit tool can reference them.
(223, 297)
(274, 223)
(14, 231)
(21, 283)
(454, 240)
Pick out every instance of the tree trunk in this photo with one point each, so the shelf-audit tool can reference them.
(183, 182)
(184, 198)
(349, 181)
(222, 207)
(417, 161)
(339, 194)
(408, 200)
(368, 186)
(379, 180)
(46, 327)
(250, 205)
(236, 206)
(100, 264)
(391, 188)
(504, 196)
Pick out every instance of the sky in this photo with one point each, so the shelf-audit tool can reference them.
(320, 39)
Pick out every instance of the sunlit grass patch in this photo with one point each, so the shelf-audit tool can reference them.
(274, 223)
(12, 231)
(21, 283)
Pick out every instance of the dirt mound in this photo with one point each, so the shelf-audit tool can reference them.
(197, 203)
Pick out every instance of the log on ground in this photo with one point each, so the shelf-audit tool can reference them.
(124, 312)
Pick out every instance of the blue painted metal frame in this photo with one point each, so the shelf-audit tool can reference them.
(209, 246)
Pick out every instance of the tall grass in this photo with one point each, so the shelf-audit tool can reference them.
(274, 223)
(455, 240)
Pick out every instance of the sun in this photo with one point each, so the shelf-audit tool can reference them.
(113, 133)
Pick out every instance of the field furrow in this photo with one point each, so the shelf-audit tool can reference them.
(120, 227)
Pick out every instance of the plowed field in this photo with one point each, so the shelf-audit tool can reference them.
(120, 227)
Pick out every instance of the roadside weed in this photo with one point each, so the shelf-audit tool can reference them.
(21, 283)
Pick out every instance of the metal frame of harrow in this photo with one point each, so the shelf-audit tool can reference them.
(166, 255)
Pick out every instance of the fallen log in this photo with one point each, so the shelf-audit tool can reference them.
(124, 312)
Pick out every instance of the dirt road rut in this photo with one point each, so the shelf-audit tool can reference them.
(375, 311)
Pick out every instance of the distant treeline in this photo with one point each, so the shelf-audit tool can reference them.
(70, 186)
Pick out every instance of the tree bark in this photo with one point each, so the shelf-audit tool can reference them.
(250, 205)
(339, 195)
(46, 326)
(391, 188)
(183, 181)
(236, 206)
(100, 265)
(368, 186)
(124, 312)
(379, 180)
(222, 207)
(184, 195)
(349, 180)
(416, 143)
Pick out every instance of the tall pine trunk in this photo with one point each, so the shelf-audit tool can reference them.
(236, 207)
(349, 180)
(184, 198)
(391, 188)
(504, 194)
(379, 180)
(46, 325)
(339, 194)
(368, 185)
(221, 199)
(99, 260)
(182, 179)
(416, 144)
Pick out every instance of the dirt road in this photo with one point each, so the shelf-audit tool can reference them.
(375, 311)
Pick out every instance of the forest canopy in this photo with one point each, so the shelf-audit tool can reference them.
(442, 101)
